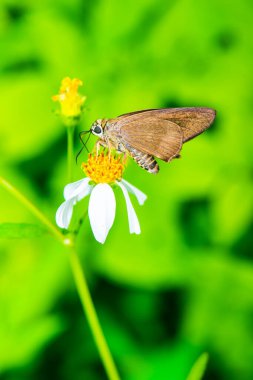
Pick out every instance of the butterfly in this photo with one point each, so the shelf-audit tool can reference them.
(153, 133)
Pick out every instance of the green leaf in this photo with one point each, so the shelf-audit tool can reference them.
(21, 230)
(198, 368)
(20, 344)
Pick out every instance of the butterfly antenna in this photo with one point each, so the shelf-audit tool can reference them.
(84, 143)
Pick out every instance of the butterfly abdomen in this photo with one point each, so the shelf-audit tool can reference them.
(144, 160)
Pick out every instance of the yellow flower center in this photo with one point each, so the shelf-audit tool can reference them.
(104, 168)
(70, 100)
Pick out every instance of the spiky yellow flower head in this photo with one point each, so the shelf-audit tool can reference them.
(70, 100)
(103, 168)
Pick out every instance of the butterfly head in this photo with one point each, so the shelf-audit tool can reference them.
(97, 128)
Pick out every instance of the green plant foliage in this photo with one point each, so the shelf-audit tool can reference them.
(198, 368)
(185, 284)
(20, 230)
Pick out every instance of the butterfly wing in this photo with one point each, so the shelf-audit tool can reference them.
(191, 120)
(154, 136)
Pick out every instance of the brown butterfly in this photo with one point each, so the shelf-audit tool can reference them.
(152, 133)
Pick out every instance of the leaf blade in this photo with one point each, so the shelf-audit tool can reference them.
(198, 369)
(21, 230)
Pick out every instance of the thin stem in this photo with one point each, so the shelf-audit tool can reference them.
(34, 210)
(70, 151)
(92, 317)
(83, 289)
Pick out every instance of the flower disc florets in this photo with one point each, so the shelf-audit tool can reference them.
(103, 168)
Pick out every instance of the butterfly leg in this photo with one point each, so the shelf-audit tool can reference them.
(98, 145)
(109, 148)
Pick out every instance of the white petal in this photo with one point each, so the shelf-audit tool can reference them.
(64, 213)
(134, 225)
(102, 206)
(86, 191)
(77, 188)
(141, 197)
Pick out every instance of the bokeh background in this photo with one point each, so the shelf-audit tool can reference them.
(185, 285)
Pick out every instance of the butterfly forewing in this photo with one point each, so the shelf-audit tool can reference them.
(154, 136)
(191, 120)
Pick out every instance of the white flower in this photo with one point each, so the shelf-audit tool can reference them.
(102, 205)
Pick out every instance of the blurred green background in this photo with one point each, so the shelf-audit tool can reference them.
(185, 285)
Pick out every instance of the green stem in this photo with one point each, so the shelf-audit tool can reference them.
(83, 289)
(35, 211)
(70, 151)
(92, 317)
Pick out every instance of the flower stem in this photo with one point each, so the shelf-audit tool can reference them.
(34, 210)
(70, 151)
(83, 289)
(92, 317)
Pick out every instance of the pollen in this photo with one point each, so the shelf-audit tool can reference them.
(103, 168)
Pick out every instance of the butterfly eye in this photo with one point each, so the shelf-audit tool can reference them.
(97, 130)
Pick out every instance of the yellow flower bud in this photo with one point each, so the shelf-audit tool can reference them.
(71, 102)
